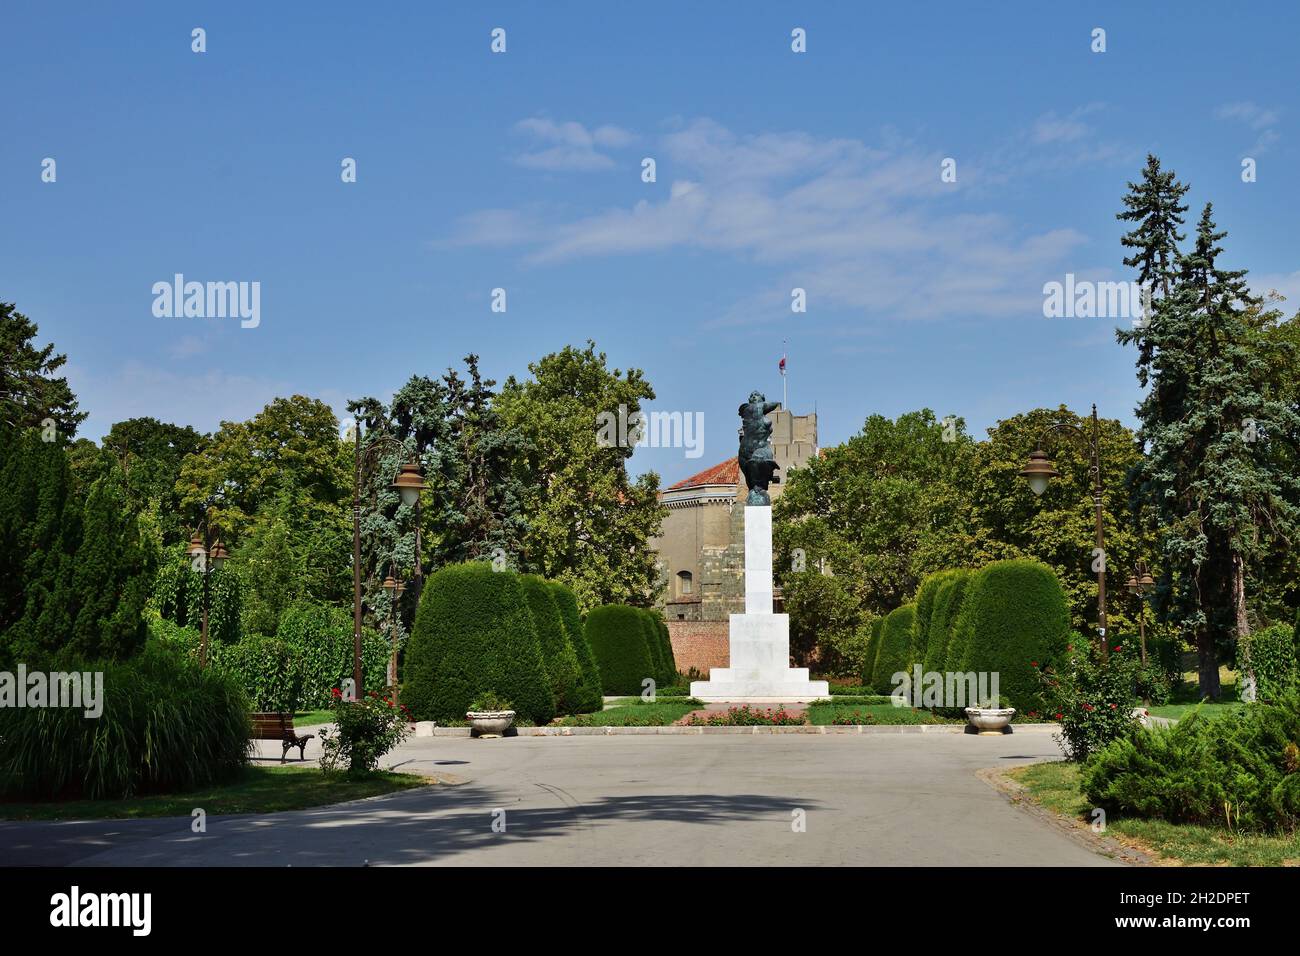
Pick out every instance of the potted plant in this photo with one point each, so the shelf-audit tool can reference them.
(490, 715)
(988, 717)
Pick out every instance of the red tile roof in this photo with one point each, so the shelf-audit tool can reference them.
(726, 473)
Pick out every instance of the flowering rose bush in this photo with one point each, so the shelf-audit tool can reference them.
(363, 731)
(1092, 698)
(745, 716)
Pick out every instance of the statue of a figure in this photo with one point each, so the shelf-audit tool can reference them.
(757, 462)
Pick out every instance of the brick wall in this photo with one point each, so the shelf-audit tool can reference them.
(700, 644)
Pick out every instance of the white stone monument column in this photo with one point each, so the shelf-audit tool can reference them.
(759, 669)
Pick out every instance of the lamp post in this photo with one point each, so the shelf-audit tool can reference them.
(1139, 583)
(205, 555)
(408, 483)
(395, 589)
(1038, 471)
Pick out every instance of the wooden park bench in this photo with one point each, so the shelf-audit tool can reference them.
(275, 726)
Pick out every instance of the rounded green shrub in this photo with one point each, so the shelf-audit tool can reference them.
(895, 650)
(617, 637)
(167, 725)
(474, 634)
(558, 655)
(1014, 621)
(947, 602)
(588, 692)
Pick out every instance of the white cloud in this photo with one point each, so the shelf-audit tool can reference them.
(1257, 118)
(569, 147)
(864, 227)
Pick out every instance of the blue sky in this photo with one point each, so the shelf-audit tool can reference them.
(522, 171)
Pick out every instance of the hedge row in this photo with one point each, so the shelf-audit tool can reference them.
(1008, 618)
(478, 631)
(631, 645)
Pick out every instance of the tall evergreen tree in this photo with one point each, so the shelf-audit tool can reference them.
(1210, 480)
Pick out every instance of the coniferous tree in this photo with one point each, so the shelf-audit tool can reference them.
(1210, 483)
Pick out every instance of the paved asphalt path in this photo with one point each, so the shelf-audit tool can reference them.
(893, 800)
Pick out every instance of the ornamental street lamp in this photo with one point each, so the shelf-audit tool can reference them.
(1039, 470)
(205, 556)
(395, 589)
(408, 483)
(1140, 582)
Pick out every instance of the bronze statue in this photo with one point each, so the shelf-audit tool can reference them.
(757, 462)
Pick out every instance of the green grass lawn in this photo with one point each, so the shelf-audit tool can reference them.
(881, 714)
(636, 714)
(1177, 711)
(258, 790)
(306, 718)
(1055, 785)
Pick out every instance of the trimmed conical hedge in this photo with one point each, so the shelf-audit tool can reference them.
(589, 692)
(666, 642)
(924, 601)
(895, 648)
(653, 646)
(1014, 621)
(474, 634)
(873, 651)
(558, 654)
(616, 634)
(947, 602)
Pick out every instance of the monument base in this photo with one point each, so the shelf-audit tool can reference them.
(760, 666)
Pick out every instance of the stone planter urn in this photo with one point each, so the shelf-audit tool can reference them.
(990, 720)
(489, 723)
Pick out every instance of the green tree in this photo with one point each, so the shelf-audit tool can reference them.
(30, 392)
(589, 523)
(1059, 526)
(1213, 480)
(879, 512)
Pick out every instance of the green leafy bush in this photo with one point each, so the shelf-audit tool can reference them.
(1014, 620)
(947, 602)
(1151, 681)
(363, 731)
(321, 638)
(178, 595)
(474, 633)
(268, 670)
(617, 640)
(558, 655)
(1239, 770)
(589, 691)
(895, 652)
(167, 726)
(1275, 658)
(1091, 698)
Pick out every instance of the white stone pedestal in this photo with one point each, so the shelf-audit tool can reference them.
(760, 640)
